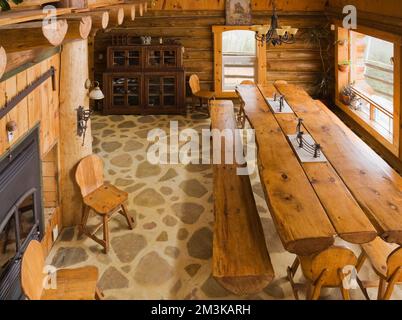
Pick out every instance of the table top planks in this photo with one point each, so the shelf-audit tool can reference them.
(348, 219)
(372, 182)
(300, 219)
(241, 262)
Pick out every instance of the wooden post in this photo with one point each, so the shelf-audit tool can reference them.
(73, 94)
(3, 61)
(26, 36)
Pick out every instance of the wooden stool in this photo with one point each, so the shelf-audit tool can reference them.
(103, 198)
(70, 284)
(324, 269)
(202, 95)
(386, 261)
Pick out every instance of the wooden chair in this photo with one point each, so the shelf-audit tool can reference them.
(323, 270)
(386, 261)
(103, 198)
(70, 284)
(202, 95)
(241, 114)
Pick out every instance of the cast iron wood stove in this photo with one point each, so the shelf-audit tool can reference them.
(21, 215)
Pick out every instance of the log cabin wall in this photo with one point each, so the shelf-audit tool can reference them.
(298, 63)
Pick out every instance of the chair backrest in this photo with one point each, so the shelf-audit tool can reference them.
(194, 83)
(247, 82)
(394, 262)
(334, 259)
(89, 174)
(32, 274)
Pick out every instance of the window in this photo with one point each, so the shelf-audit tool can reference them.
(368, 62)
(372, 76)
(239, 57)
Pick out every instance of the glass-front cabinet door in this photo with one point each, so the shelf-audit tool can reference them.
(155, 58)
(154, 91)
(133, 91)
(125, 58)
(161, 92)
(169, 58)
(169, 91)
(118, 86)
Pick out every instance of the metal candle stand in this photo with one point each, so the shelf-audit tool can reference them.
(313, 149)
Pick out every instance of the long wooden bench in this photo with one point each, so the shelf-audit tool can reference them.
(241, 262)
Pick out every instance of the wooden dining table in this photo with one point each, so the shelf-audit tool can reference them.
(354, 195)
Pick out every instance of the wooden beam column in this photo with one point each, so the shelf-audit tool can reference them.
(30, 35)
(73, 94)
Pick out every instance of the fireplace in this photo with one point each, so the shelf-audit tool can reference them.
(21, 215)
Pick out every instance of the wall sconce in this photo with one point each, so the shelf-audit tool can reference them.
(83, 116)
(96, 93)
(11, 127)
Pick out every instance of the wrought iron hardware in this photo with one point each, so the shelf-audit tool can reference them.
(14, 101)
(83, 116)
(313, 149)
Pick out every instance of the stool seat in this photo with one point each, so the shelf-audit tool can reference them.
(205, 94)
(105, 199)
(73, 284)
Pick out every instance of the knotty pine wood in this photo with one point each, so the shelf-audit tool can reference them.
(297, 63)
(301, 221)
(348, 219)
(373, 183)
(241, 262)
(178, 5)
(39, 106)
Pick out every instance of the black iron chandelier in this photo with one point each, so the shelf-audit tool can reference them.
(274, 34)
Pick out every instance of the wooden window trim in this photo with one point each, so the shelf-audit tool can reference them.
(261, 59)
(393, 144)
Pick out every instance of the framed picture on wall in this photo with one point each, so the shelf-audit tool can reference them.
(238, 12)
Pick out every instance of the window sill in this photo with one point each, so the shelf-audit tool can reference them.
(371, 127)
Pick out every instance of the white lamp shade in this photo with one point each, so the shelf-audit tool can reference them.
(263, 29)
(286, 27)
(293, 31)
(96, 94)
(281, 32)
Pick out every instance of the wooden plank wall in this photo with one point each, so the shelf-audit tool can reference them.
(42, 105)
(298, 63)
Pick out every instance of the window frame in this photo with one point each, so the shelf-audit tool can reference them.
(392, 143)
(261, 56)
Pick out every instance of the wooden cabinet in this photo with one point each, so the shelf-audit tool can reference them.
(144, 80)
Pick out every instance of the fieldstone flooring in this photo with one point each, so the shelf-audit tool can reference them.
(168, 254)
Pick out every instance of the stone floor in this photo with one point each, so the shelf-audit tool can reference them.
(168, 254)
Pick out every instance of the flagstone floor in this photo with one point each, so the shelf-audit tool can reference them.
(168, 254)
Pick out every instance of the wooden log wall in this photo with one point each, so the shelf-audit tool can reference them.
(298, 63)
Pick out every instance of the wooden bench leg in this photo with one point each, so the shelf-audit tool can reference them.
(106, 233)
(291, 271)
(99, 294)
(390, 287)
(381, 289)
(316, 286)
(83, 226)
(130, 220)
